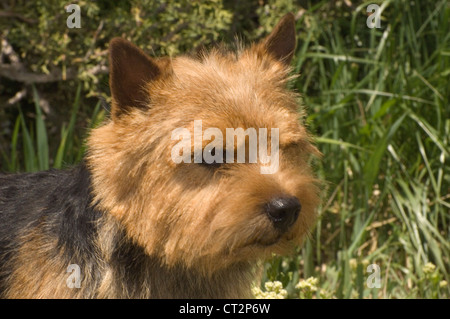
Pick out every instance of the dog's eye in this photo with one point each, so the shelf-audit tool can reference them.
(211, 160)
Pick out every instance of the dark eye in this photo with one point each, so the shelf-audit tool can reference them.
(212, 161)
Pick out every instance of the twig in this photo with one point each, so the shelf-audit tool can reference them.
(16, 71)
(18, 96)
(15, 15)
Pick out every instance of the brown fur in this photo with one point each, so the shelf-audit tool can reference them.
(203, 231)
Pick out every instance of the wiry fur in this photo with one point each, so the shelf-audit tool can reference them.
(141, 226)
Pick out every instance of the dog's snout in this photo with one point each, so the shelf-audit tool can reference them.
(283, 212)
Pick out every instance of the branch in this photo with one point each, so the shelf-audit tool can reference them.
(15, 15)
(18, 96)
(16, 71)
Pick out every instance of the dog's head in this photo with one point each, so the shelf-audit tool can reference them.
(205, 161)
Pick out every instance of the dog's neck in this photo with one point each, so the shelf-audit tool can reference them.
(148, 277)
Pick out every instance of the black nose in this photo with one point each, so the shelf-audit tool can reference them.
(283, 212)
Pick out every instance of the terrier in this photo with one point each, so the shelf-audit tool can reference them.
(165, 204)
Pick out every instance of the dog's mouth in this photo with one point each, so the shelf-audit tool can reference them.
(271, 237)
(267, 242)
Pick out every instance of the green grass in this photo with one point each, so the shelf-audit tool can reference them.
(30, 140)
(378, 102)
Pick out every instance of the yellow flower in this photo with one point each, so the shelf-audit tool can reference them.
(429, 268)
(308, 285)
(274, 290)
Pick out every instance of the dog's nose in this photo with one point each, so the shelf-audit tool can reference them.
(283, 212)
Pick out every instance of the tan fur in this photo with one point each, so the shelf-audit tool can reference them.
(39, 273)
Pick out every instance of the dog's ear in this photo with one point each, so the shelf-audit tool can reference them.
(281, 42)
(130, 70)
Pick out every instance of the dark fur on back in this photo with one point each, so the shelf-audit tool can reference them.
(57, 206)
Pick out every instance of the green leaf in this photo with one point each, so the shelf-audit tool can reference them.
(372, 167)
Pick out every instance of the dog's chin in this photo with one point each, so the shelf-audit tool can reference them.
(267, 242)
(278, 243)
(254, 251)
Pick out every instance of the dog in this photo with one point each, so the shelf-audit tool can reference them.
(158, 208)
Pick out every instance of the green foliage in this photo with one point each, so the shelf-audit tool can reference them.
(379, 100)
(34, 149)
(161, 27)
